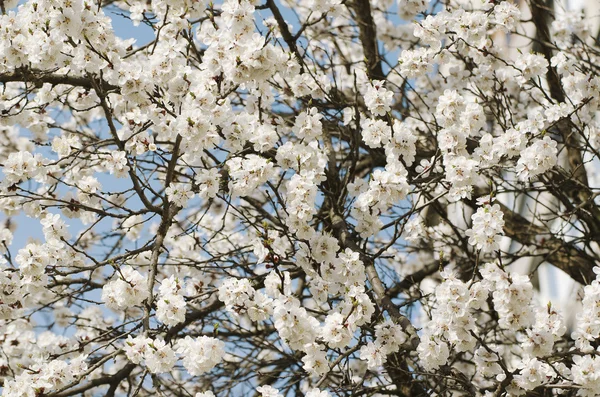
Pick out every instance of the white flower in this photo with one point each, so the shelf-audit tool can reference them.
(402, 143)
(264, 137)
(506, 14)
(349, 115)
(512, 295)
(261, 307)
(461, 173)
(531, 66)
(6, 238)
(208, 181)
(317, 393)
(390, 336)
(374, 354)
(335, 332)
(378, 99)
(534, 373)
(154, 353)
(315, 359)
(160, 357)
(200, 355)
(487, 362)
(116, 164)
(133, 226)
(407, 9)
(179, 193)
(54, 227)
(136, 13)
(205, 394)
(450, 106)
(487, 228)
(128, 288)
(170, 307)
(236, 294)
(323, 248)
(136, 348)
(248, 173)
(21, 166)
(268, 391)
(537, 158)
(432, 354)
(375, 133)
(585, 372)
(296, 327)
(308, 125)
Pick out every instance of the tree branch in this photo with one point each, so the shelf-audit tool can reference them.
(39, 77)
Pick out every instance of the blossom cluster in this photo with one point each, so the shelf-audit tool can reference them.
(487, 228)
(257, 192)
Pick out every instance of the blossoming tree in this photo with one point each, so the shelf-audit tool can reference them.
(297, 198)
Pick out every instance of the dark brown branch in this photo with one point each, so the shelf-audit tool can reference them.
(112, 380)
(39, 77)
(564, 256)
(285, 31)
(368, 37)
